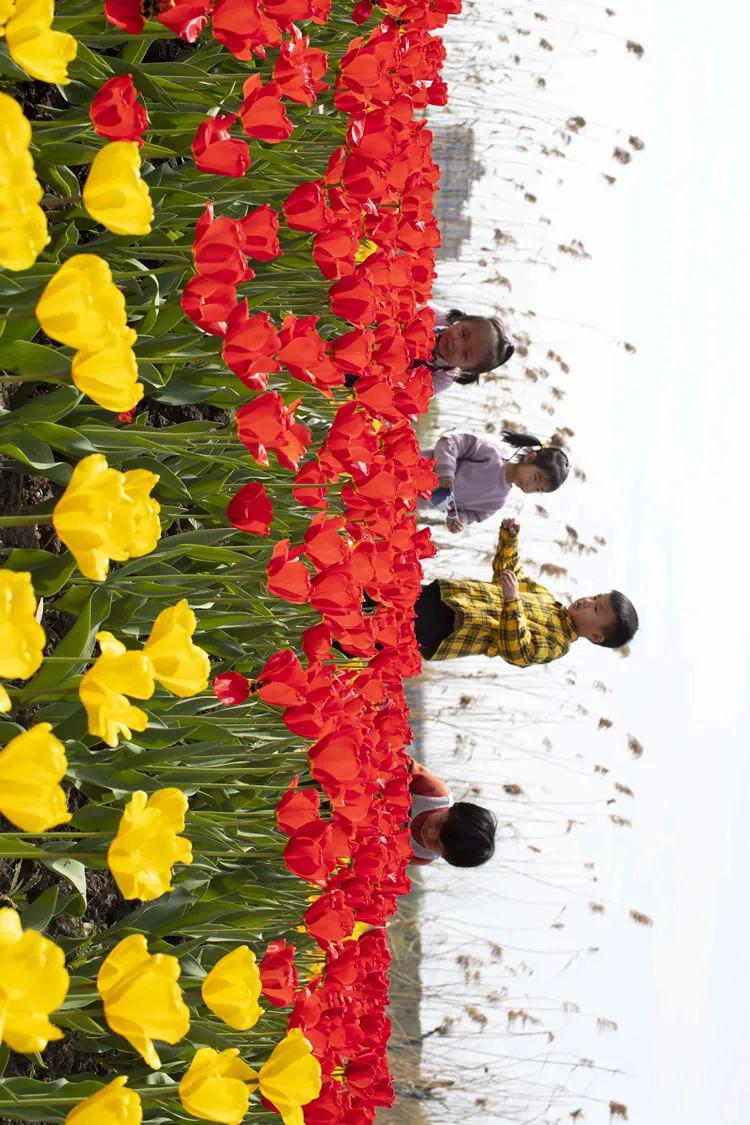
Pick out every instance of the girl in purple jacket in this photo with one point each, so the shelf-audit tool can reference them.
(474, 479)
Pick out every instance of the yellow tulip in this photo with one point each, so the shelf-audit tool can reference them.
(109, 375)
(5, 703)
(290, 1078)
(114, 193)
(142, 999)
(179, 665)
(81, 306)
(232, 988)
(364, 250)
(215, 1088)
(6, 11)
(23, 224)
(23, 234)
(105, 514)
(143, 530)
(147, 844)
(105, 687)
(31, 765)
(112, 1105)
(34, 46)
(22, 638)
(33, 983)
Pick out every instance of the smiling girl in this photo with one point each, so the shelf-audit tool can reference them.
(466, 347)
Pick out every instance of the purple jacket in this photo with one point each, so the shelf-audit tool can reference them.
(478, 472)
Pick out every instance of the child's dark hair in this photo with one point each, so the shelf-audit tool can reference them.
(500, 349)
(467, 835)
(552, 460)
(626, 622)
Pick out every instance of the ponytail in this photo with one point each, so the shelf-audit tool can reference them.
(521, 441)
(552, 460)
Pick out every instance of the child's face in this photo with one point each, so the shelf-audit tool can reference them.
(593, 617)
(529, 477)
(465, 343)
(431, 831)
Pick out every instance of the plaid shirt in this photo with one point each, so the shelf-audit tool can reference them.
(532, 629)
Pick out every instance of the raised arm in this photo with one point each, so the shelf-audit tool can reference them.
(506, 555)
(424, 782)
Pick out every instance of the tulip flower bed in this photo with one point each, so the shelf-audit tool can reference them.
(211, 212)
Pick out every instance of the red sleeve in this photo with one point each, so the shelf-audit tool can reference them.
(427, 784)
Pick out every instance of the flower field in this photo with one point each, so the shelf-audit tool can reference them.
(212, 212)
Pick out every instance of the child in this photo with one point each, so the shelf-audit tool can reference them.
(480, 479)
(462, 834)
(514, 617)
(465, 347)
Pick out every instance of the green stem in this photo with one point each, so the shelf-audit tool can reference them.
(24, 520)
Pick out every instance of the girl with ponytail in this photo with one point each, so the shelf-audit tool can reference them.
(474, 479)
(466, 347)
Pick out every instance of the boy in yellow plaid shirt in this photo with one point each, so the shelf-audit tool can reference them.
(513, 616)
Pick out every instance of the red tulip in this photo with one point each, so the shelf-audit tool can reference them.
(244, 28)
(286, 576)
(260, 233)
(310, 488)
(334, 250)
(116, 113)
(126, 417)
(251, 510)
(231, 688)
(217, 249)
(282, 681)
(299, 68)
(306, 207)
(315, 850)
(303, 353)
(437, 92)
(284, 11)
(214, 150)
(316, 644)
(353, 299)
(323, 545)
(296, 808)
(335, 758)
(362, 11)
(329, 919)
(250, 346)
(291, 448)
(278, 974)
(186, 17)
(125, 14)
(352, 352)
(332, 1105)
(208, 303)
(262, 112)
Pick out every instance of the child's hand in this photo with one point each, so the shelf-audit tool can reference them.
(454, 524)
(511, 526)
(509, 585)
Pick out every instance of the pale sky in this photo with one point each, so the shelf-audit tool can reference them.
(662, 438)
